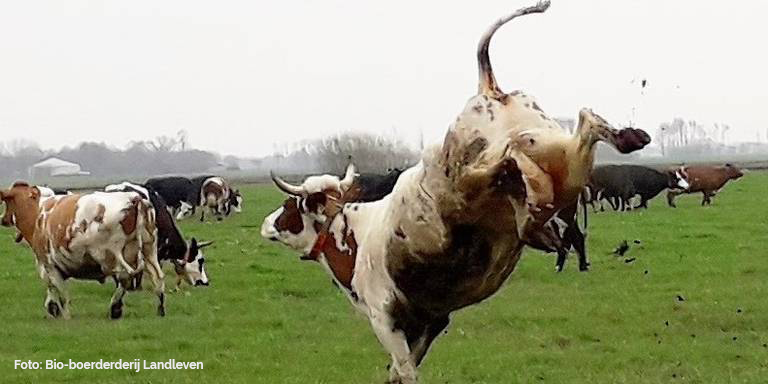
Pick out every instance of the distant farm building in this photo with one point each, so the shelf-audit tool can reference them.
(53, 166)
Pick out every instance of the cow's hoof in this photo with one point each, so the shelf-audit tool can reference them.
(558, 268)
(584, 268)
(53, 309)
(161, 311)
(116, 311)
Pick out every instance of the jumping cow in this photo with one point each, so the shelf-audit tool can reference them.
(91, 237)
(187, 258)
(453, 228)
(705, 179)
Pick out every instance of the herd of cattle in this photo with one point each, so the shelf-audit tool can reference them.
(119, 233)
(407, 248)
(620, 184)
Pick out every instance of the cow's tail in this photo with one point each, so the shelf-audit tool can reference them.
(487, 84)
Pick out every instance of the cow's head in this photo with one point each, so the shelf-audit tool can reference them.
(676, 179)
(185, 210)
(192, 268)
(733, 172)
(235, 202)
(21, 200)
(308, 206)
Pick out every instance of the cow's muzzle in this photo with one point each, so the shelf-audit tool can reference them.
(200, 282)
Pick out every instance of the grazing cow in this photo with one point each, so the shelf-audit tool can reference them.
(454, 226)
(234, 203)
(177, 191)
(620, 183)
(187, 258)
(213, 194)
(705, 179)
(92, 236)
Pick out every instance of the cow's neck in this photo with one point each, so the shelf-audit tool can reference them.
(25, 223)
(341, 262)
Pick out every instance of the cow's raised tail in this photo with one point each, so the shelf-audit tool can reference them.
(488, 85)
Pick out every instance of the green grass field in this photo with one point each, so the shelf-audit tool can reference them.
(269, 318)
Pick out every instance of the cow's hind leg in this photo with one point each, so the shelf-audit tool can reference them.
(149, 251)
(420, 347)
(402, 370)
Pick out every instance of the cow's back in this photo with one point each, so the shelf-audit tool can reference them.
(705, 178)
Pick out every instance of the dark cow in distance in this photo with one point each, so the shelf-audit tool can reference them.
(705, 179)
(175, 190)
(620, 183)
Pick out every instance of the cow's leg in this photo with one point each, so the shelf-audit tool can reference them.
(118, 251)
(402, 369)
(57, 300)
(671, 198)
(116, 305)
(202, 214)
(420, 347)
(149, 250)
(577, 240)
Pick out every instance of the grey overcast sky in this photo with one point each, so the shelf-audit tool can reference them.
(241, 76)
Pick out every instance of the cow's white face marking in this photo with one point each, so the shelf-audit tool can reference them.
(302, 241)
(239, 207)
(184, 211)
(195, 272)
(681, 182)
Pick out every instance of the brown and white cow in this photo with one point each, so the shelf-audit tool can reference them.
(706, 179)
(453, 228)
(91, 237)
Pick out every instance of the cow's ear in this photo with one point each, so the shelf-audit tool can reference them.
(34, 193)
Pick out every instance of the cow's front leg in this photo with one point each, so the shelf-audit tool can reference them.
(116, 305)
(402, 370)
(57, 300)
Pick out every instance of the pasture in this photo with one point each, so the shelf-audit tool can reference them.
(688, 304)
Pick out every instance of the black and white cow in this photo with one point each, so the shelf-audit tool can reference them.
(620, 183)
(177, 191)
(187, 258)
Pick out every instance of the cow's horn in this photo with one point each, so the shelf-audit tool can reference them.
(285, 187)
(488, 85)
(349, 177)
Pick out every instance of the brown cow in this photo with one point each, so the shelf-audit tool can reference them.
(706, 179)
(91, 237)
